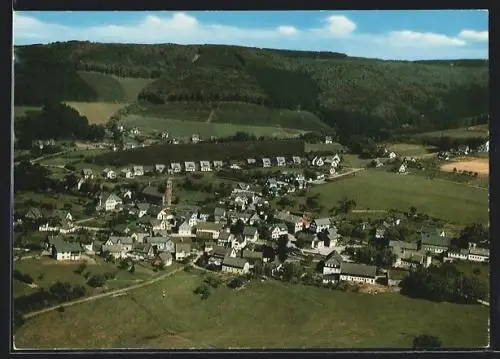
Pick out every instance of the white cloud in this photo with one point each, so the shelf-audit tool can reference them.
(287, 30)
(340, 25)
(184, 28)
(473, 35)
(407, 38)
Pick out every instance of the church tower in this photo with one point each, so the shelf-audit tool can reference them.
(168, 193)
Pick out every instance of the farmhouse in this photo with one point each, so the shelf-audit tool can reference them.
(361, 273)
(108, 173)
(434, 243)
(251, 161)
(296, 160)
(109, 201)
(235, 265)
(402, 168)
(209, 228)
(411, 260)
(478, 254)
(205, 166)
(185, 229)
(159, 168)
(461, 254)
(176, 167)
(62, 250)
(127, 172)
(125, 243)
(160, 243)
(138, 170)
(266, 162)
(182, 250)
(320, 224)
(332, 263)
(281, 161)
(189, 166)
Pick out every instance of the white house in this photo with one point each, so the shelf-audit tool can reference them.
(185, 229)
(87, 173)
(205, 166)
(195, 138)
(235, 265)
(218, 165)
(332, 171)
(182, 250)
(127, 172)
(296, 160)
(209, 228)
(332, 263)
(461, 254)
(176, 167)
(238, 242)
(109, 174)
(159, 168)
(478, 254)
(251, 234)
(328, 140)
(251, 161)
(138, 171)
(190, 166)
(278, 230)
(234, 166)
(392, 155)
(62, 250)
(402, 168)
(320, 224)
(318, 161)
(126, 243)
(109, 201)
(360, 273)
(266, 162)
(281, 161)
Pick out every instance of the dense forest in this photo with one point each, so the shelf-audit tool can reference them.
(355, 96)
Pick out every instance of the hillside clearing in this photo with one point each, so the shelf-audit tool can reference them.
(181, 320)
(408, 149)
(454, 202)
(97, 112)
(183, 128)
(20, 111)
(463, 132)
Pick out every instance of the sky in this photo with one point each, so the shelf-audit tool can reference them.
(399, 35)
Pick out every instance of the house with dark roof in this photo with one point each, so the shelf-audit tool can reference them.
(320, 224)
(224, 238)
(332, 263)
(358, 273)
(34, 214)
(412, 260)
(294, 223)
(479, 254)
(161, 243)
(251, 234)
(252, 257)
(238, 242)
(210, 228)
(219, 214)
(152, 195)
(434, 243)
(126, 243)
(394, 277)
(63, 250)
(461, 254)
(109, 202)
(114, 250)
(278, 230)
(235, 265)
(266, 162)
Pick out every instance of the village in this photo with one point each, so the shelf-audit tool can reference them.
(244, 233)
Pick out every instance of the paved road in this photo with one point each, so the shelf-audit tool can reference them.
(104, 295)
(84, 220)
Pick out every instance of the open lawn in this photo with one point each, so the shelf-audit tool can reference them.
(56, 199)
(372, 189)
(262, 315)
(353, 161)
(97, 112)
(463, 132)
(185, 128)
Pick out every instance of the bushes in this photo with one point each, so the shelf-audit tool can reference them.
(25, 278)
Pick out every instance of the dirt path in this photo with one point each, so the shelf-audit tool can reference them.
(211, 116)
(103, 295)
(84, 220)
(369, 211)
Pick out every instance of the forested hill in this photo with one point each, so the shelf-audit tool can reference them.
(354, 95)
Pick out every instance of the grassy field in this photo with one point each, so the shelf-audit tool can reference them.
(372, 189)
(232, 113)
(167, 153)
(185, 128)
(262, 315)
(97, 112)
(408, 149)
(318, 147)
(464, 132)
(58, 200)
(113, 88)
(353, 161)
